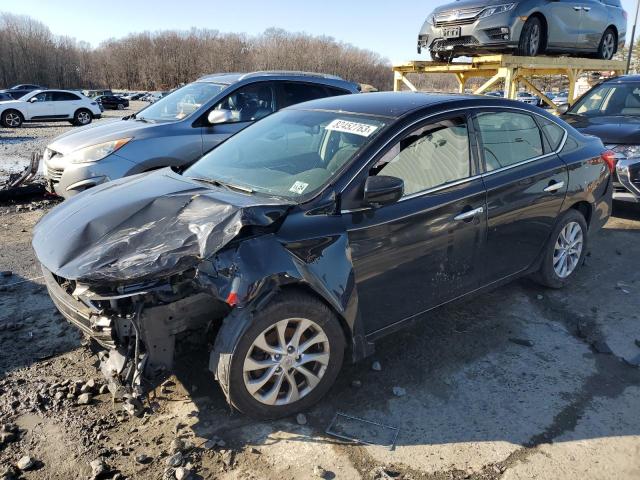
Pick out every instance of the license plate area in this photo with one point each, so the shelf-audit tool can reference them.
(451, 32)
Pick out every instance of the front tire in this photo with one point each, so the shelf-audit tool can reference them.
(531, 38)
(11, 119)
(564, 252)
(82, 117)
(287, 359)
(120, 106)
(607, 47)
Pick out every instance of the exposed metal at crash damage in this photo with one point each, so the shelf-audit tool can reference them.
(169, 256)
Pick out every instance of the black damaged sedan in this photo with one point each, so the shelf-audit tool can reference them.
(311, 234)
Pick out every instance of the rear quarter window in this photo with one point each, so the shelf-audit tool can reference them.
(554, 133)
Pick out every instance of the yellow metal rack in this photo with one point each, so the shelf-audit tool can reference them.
(511, 69)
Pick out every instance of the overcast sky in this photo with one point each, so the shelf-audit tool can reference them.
(387, 27)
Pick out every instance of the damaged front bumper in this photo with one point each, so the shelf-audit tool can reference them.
(136, 330)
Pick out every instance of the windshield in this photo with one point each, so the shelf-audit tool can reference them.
(181, 103)
(609, 99)
(291, 154)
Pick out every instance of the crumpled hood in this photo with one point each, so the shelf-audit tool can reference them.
(147, 226)
(94, 134)
(610, 129)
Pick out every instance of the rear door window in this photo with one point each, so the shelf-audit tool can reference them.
(298, 92)
(508, 138)
(64, 97)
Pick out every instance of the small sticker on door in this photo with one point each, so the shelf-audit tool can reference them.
(362, 129)
(299, 187)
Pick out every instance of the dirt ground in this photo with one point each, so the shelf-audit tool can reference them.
(520, 383)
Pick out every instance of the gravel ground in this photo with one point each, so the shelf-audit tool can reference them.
(17, 144)
(520, 383)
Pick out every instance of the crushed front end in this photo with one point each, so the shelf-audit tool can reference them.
(136, 325)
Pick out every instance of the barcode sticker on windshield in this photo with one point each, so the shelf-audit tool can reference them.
(299, 187)
(356, 128)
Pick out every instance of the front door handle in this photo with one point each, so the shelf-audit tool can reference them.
(469, 214)
(586, 9)
(554, 187)
(577, 8)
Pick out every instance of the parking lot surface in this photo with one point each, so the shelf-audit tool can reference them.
(522, 382)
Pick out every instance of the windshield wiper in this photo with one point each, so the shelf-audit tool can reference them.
(228, 186)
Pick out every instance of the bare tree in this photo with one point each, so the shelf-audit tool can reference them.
(30, 53)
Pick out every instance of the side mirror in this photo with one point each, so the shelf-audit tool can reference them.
(33, 99)
(219, 116)
(562, 109)
(383, 190)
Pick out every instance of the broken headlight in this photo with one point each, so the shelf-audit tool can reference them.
(96, 152)
(487, 12)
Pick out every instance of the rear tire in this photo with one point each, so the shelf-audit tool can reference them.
(120, 106)
(82, 117)
(607, 47)
(570, 229)
(532, 38)
(11, 119)
(293, 314)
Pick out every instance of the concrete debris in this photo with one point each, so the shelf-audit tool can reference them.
(26, 463)
(84, 399)
(177, 445)
(175, 460)
(522, 341)
(301, 418)
(376, 367)
(143, 458)
(98, 468)
(601, 346)
(320, 472)
(399, 391)
(182, 473)
(634, 362)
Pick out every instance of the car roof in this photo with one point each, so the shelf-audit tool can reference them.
(394, 104)
(231, 78)
(624, 79)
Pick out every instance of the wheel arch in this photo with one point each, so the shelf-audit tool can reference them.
(585, 208)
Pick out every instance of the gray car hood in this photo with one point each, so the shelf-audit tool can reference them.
(464, 4)
(94, 134)
(148, 226)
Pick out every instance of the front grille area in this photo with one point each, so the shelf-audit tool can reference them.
(55, 174)
(454, 18)
(448, 43)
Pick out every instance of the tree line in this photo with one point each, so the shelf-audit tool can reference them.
(30, 53)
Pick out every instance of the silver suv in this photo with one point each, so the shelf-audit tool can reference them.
(529, 27)
(178, 129)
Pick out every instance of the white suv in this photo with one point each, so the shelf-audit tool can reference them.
(49, 105)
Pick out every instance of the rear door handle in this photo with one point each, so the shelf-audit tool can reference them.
(577, 8)
(554, 187)
(469, 214)
(586, 9)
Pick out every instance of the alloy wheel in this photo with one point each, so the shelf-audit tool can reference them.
(608, 46)
(83, 118)
(568, 249)
(286, 361)
(534, 39)
(13, 119)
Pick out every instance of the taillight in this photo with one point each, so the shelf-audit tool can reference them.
(610, 159)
